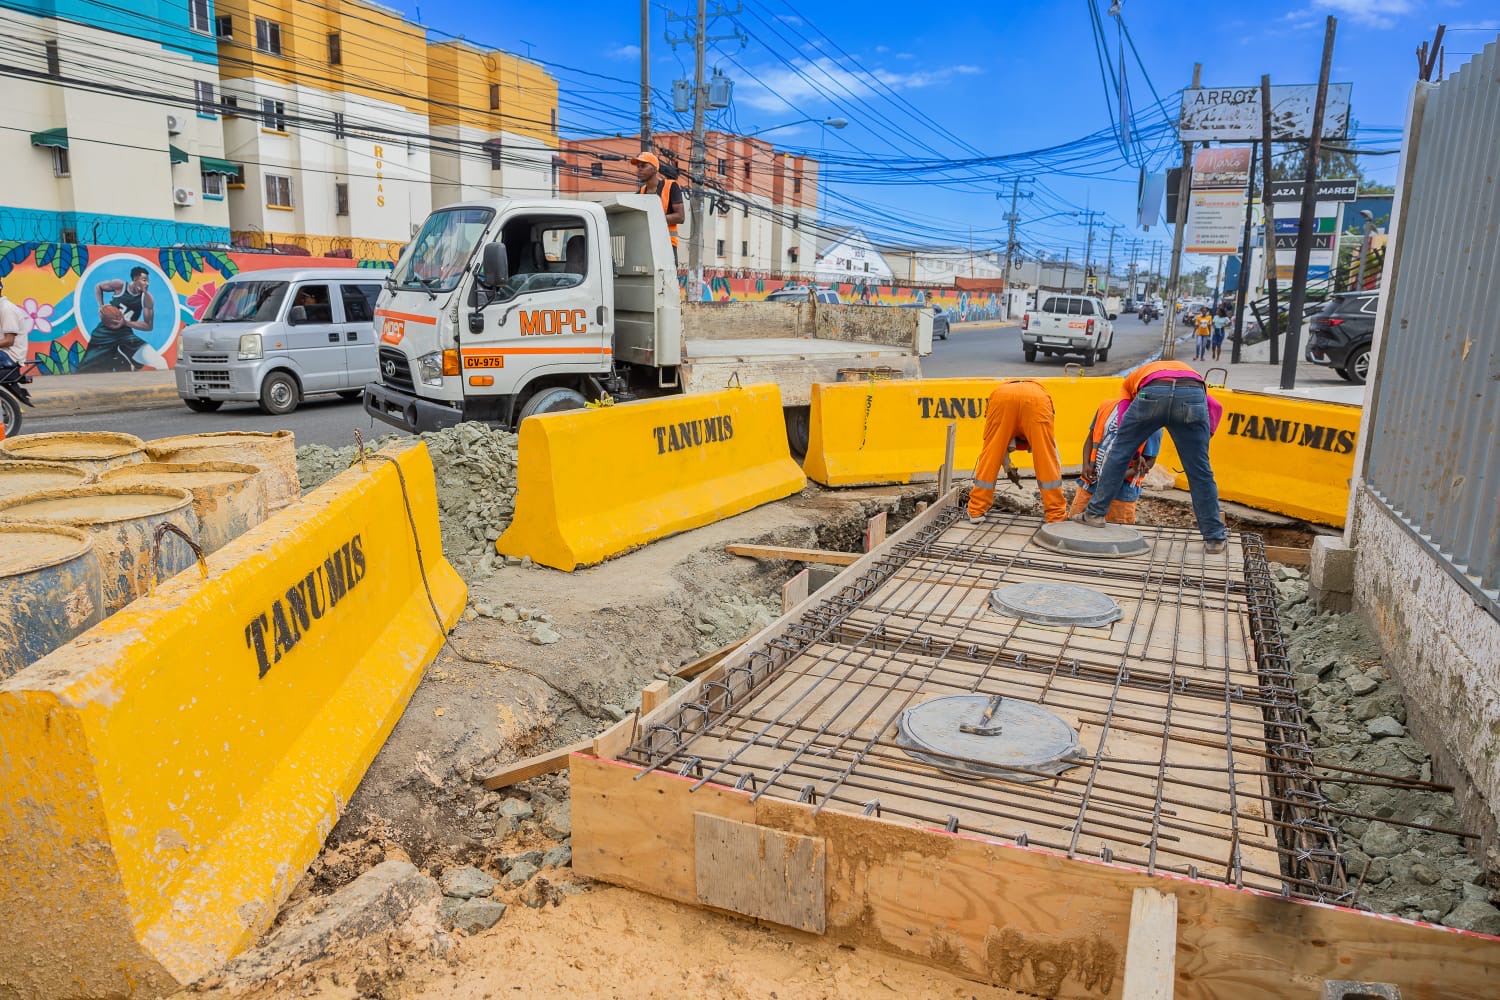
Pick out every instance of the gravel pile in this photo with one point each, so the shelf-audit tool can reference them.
(1358, 720)
(475, 468)
(730, 617)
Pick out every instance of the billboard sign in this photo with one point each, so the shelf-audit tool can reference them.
(1221, 168)
(1215, 223)
(1345, 189)
(1232, 114)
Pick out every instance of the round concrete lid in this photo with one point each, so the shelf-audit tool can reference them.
(1113, 541)
(1055, 604)
(1018, 734)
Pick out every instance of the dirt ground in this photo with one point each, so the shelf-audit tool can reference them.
(543, 659)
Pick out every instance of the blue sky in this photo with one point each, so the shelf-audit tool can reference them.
(919, 83)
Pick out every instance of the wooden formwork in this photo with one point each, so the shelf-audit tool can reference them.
(1029, 885)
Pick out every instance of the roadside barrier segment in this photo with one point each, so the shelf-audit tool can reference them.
(169, 774)
(864, 434)
(597, 482)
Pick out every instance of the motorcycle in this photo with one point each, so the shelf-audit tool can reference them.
(13, 393)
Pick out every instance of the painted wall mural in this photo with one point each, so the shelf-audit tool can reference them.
(967, 305)
(108, 309)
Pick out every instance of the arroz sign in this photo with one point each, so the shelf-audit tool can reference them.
(1232, 114)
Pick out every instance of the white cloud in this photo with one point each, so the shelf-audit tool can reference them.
(791, 19)
(826, 78)
(1373, 13)
(882, 49)
(625, 52)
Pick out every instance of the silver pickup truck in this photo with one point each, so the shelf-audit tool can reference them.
(1068, 324)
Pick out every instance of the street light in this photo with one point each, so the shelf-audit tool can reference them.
(825, 123)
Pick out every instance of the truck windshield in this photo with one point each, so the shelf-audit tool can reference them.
(441, 250)
(247, 302)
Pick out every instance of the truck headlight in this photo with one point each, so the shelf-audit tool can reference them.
(430, 368)
(250, 349)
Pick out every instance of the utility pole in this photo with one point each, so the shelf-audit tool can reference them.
(1268, 217)
(1088, 249)
(1305, 221)
(1184, 192)
(1243, 288)
(645, 75)
(1109, 260)
(1011, 219)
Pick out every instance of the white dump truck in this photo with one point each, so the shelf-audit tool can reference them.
(501, 309)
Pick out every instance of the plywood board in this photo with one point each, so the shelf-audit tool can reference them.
(759, 872)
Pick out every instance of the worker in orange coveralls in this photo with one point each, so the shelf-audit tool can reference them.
(1096, 446)
(1018, 418)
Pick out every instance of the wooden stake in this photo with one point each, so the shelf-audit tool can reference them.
(794, 592)
(945, 474)
(1151, 953)
(652, 695)
(875, 531)
(794, 555)
(690, 670)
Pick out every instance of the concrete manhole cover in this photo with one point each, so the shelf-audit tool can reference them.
(979, 735)
(1113, 541)
(1055, 604)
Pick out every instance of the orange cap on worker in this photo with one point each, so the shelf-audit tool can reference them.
(1019, 417)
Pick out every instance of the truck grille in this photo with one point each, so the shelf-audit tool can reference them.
(394, 371)
(209, 359)
(210, 380)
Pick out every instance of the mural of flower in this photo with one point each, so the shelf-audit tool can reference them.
(39, 314)
(201, 298)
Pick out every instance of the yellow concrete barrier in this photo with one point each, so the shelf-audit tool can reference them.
(1290, 456)
(166, 777)
(895, 432)
(594, 483)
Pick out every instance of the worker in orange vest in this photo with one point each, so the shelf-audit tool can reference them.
(1103, 430)
(1019, 418)
(648, 172)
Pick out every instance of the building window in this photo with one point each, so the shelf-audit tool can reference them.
(198, 17)
(721, 248)
(268, 36)
(747, 168)
(746, 208)
(273, 114)
(54, 61)
(724, 167)
(67, 236)
(554, 119)
(792, 253)
(494, 97)
(744, 248)
(497, 154)
(213, 185)
(230, 106)
(278, 191)
(867, 268)
(796, 222)
(60, 167)
(797, 185)
(341, 199)
(596, 170)
(203, 96)
(224, 26)
(338, 126)
(335, 48)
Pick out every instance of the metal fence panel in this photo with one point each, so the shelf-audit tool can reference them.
(1434, 449)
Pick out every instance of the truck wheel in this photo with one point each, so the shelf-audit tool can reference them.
(552, 400)
(1104, 354)
(279, 394)
(1030, 353)
(203, 405)
(798, 429)
(1089, 357)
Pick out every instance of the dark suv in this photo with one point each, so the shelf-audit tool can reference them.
(1339, 334)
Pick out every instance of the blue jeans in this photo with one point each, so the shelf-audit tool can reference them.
(1182, 408)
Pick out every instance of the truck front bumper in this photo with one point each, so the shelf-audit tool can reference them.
(409, 412)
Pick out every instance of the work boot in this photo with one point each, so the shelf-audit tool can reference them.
(1089, 519)
(1216, 547)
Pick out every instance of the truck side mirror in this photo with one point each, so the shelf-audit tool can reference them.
(297, 315)
(1113, 317)
(495, 265)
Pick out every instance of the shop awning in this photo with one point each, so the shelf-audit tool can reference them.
(215, 166)
(177, 155)
(57, 137)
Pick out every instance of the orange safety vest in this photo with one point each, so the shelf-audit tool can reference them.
(664, 188)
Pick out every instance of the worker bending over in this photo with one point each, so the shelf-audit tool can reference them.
(1019, 418)
(1103, 430)
(1170, 395)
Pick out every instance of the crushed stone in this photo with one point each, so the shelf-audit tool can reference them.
(475, 469)
(726, 618)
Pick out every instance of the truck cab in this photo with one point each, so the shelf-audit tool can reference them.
(1068, 324)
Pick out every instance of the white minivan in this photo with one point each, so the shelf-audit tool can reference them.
(274, 337)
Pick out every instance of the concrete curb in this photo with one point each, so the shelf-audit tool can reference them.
(71, 401)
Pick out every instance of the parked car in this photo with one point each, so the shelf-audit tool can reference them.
(800, 295)
(1068, 324)
(1340, 334)
(940, 319)
(278, 336)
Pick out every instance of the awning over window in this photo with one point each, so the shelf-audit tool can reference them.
(213, 166)
(177, 155)
(57, 137)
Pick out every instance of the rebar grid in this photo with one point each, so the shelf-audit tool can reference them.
(1196, 758)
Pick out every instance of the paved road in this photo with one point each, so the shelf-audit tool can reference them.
(990, 349)
(329, 420)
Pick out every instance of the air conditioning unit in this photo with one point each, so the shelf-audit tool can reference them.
(184, 196)
(175, 124)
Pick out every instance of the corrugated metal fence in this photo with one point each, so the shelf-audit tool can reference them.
(1433, 452)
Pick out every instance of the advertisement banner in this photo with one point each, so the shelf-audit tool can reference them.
(1232, 114)
(1221, 168)
(1215, 222)
(1343, 189)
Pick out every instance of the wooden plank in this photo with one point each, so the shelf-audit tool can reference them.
(690, 670)
(794, 555)
(535, 767)
(1151, 953)
(652, 695)
(794, 592)
(945, 474)
(1289, 556)
(759, 872)
(875, 531)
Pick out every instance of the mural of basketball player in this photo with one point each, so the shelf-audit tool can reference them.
(113, 345)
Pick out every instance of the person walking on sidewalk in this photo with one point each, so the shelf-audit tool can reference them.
(1103, 431)
(1203, 328)
(1172, 396)
(1221, 327)
(1019, 418)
